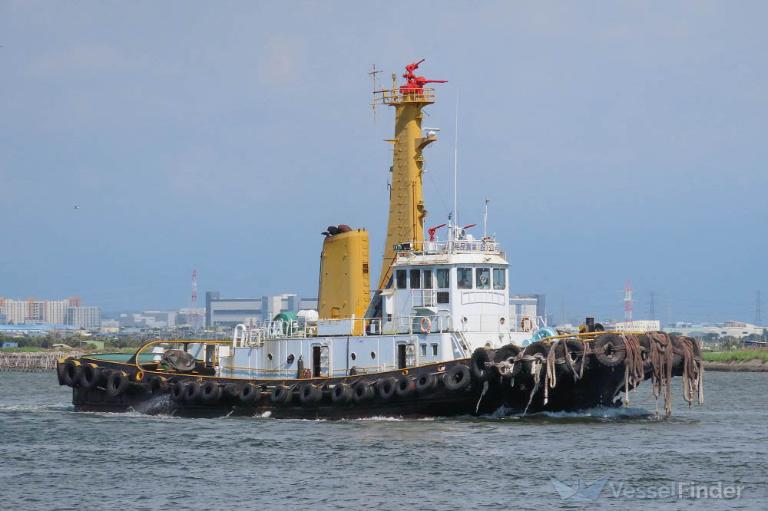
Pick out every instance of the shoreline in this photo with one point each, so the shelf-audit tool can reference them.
(738, 366)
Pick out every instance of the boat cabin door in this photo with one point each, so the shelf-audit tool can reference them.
(316, 351)
(401, 356)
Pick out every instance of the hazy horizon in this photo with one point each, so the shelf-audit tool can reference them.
(615, 141)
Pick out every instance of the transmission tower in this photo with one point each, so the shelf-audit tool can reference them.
(628, 301)
(194, 320)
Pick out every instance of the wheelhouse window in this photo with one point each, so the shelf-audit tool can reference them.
(499, 278)
(464, 278)
(415, 279)
(443, 278)
(427, 279)
(483, 277)
(401, 279)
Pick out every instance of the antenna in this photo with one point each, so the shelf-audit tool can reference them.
(456, 164)
(652, 307)
(373, 74)
(758, 318)
(485, 219)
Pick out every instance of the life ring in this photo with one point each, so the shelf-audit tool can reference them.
(385, 387)
(425, 325)
(457, 377)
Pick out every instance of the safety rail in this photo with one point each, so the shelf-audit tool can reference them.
(398, 96)
(466, 246)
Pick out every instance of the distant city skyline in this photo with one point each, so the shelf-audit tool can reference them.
(615, 141)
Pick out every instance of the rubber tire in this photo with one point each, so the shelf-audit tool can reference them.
(117, 383)
(248, 393)
(191, 392)
(341, 393)
(504, 354)
(281, 395)
(157, 384)
(385, 388)
(90, 376)
(426, 383)
(405, 386)
(479, 357)
(70, 373)
(177, 391)
(613, 341)
(457, 378)
(230, 391)
(362, 391)
(60, 372)
(210, 392)
(310, 394)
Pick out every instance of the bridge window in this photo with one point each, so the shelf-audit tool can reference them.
(427, 279)
(499, 278)
(464, 278)
(415, 279)
(401, 278)
(443, 278)
(483, 276)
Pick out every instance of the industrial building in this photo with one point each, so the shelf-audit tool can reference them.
(228, 312)
(67, 312)
(530, 306)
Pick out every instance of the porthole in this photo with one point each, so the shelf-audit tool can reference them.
(353, 356)
(373, 355)
(269, 356)
(291, 358)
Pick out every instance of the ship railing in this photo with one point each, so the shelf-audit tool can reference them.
(254, 334)
(482, 246)
(397, 96)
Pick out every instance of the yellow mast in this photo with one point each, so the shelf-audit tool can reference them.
(406, 200)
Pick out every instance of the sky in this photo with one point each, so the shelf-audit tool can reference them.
(614, 140)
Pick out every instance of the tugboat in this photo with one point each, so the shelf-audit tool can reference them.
(435, 337)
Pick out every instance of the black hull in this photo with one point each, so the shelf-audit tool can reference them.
(595, 389)
(533, 383)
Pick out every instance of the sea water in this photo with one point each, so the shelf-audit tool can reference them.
(54, 458)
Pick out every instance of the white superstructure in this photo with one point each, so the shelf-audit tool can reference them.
(445, 301)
